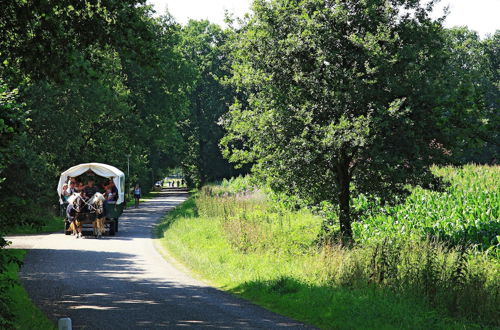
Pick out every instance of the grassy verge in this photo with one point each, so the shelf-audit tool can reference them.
(26, 314)
(50, 224)
(277, 282)
(245, 244)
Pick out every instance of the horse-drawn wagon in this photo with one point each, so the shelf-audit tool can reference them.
(86, 208)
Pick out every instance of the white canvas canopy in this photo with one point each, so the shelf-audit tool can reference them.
(106, 171)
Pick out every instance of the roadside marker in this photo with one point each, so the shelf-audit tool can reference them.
(64, 324)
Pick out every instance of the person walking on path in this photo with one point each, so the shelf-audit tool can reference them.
(137, 195)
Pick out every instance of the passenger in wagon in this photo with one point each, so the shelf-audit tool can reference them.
(110, 195)
(65, 192)
(113, 192)
(71, 188)
(90, 189)
(79, 187)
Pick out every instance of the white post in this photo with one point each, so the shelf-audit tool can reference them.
(64, 324)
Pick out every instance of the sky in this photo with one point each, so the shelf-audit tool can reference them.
(482, 16)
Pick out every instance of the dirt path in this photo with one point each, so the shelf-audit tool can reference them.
(122, 282)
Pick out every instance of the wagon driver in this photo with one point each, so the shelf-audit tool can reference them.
(90, 189)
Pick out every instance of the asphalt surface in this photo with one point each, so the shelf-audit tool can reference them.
(123, 282)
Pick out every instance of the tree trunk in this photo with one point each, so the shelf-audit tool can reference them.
(344, 199)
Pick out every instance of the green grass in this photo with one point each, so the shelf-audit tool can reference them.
(26, 314)
(50, 224)
(244, 243)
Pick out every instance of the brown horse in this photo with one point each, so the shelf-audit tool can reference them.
(84, 214)
(97, 202)
(74, 207)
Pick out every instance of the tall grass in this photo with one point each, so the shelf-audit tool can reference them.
(244, 241)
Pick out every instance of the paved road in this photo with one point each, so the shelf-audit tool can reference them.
(122, 282)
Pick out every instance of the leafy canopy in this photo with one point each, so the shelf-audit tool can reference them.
(340, 98)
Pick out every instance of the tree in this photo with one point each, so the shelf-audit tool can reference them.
(158, 91)
(43, 39)
(490, 84)
(12, 120)
(472, 72)
(95, 81)
(107, 73)
(203, 46)
(341, 98)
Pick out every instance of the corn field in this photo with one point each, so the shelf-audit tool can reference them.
(467, 212)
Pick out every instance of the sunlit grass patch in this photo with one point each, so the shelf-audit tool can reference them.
(246, 243)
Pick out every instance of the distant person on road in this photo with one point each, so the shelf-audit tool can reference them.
(137, 195)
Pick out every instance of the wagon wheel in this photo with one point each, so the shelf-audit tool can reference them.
(112, 228)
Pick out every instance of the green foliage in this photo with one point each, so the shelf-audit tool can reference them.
(11, 121)
(466, 213)
(203, 46)
(24, 313)
(84, 82)
(43, 40)
(46, 224)
(473, 71)
(246, 242)
(342, 98)
(8, 261)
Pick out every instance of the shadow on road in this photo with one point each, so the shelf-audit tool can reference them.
(121, 282)
(105, 290)
(139, 222)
